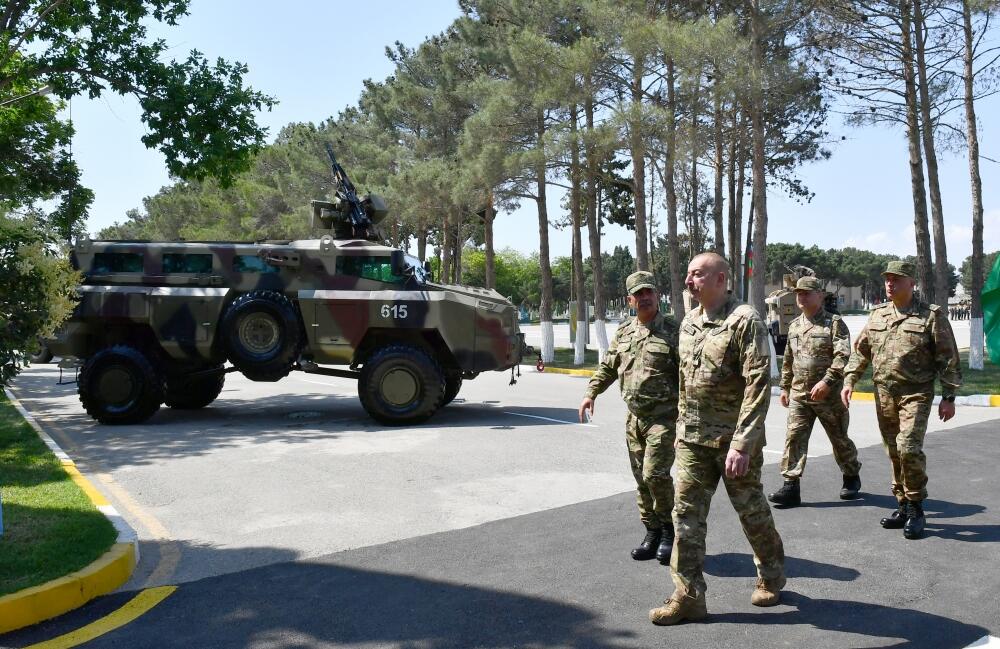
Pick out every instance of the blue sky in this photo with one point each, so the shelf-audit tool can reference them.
(313, 56)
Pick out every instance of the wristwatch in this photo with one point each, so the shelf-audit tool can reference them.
(950, 397)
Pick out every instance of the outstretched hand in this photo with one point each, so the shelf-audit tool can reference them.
(586, 405)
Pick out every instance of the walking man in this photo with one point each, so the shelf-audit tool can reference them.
(724, 396)
(909, 343)
(818, 348)
(642, 357)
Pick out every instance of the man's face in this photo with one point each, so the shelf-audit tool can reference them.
(703, 281)
(644, 301)
(809, 301)
(899, 287)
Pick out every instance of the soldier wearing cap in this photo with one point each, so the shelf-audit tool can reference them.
(909, 343)
(818, 348)
(643, 358)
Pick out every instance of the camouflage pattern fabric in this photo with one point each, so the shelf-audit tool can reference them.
(907, 348)
(818, 349)
(724, 396)
(651, 454)
(643, 358)
(699, 469)
(725, 378)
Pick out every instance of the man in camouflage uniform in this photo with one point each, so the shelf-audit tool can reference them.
(818, 348)
(643, 358)
(724, 396)
(908, 343)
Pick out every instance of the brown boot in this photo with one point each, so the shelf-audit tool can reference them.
(767, 592)
(679, 607)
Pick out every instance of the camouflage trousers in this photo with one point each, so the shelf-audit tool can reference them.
(651, 454)
(699, 469)
(835, 419)
(902, 418)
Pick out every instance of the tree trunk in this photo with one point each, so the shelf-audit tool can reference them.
(759, 160)
(976, 341)
(941, 272)
(422, 241)
(596, 263)
(740, 278)
(491, 270)
(923, 238)
(720, 238)
(446, 273)
(697, 243)
(638, 172)
(458, 241)
(545, 308)
(582, 321)
(673, 247)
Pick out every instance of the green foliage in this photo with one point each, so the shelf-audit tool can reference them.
(36, 289)
(989, 259)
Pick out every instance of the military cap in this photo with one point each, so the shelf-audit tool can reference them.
(808, 284)
(904, 268)
(638, 281)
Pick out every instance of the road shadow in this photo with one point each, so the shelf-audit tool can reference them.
(933, 507)
(735, 564)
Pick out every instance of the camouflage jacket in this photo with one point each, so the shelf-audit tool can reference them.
(907, 348)
(643, 357)
(818, 349)
(725, 377)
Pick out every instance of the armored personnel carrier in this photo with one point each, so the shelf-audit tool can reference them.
(163, 322)
(782, 308)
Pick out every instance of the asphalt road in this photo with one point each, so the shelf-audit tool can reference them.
(289, 519)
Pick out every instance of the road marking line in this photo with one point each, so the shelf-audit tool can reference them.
(770, 450)
(558, 421)
(135, 607)
(985, 642)
(329, 385)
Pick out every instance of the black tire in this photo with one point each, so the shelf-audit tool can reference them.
(187, 393)
(120, 385)
(452, 385)
(262, 335)
(400, 385)
(42, 356)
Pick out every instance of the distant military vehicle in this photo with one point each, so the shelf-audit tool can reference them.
(157, 321)
(782, 309)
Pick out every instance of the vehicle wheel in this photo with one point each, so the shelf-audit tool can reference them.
(262, 335)
(400, 385)
(120, 385)
(452, 385)
(43, 355)
(186, 393)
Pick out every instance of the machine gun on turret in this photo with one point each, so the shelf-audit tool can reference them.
(348, 217)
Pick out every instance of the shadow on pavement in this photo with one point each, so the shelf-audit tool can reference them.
(732, 564)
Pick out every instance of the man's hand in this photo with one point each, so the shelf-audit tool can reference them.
(946, 410)
(783, 398)
(585, 405)
(845, 396)
(820, 391)
(737, 463)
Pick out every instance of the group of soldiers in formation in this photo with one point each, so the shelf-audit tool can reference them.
(697, 395)
(960, 312)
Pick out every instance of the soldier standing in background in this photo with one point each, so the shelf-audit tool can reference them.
(643, 358)
(724, 395)
(908, 343)
(819, 346)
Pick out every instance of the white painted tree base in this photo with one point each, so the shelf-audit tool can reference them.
(602, 339)
(548, 342)
(976, 342)
(580, 344)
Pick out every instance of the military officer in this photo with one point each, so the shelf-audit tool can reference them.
(818, 348)
(643, 358)
(724, 396)
(909, 343)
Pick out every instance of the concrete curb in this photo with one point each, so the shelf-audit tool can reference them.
(38, 603)
(976, 400)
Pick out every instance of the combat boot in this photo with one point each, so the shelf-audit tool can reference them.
(896, 519)
(647, 549)
(679, 607)
(852, 485)
(788, 495)
(767, 592)
(666, 544)
(914, 526)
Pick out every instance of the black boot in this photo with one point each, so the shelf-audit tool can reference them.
(666, 544)
(852, 485)
(896, 519)
(788, 495)
(914, 526)
(647, 549)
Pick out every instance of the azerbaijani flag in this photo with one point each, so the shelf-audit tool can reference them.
(991, 312)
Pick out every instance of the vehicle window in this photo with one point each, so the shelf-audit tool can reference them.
(117, 262)
(185, 263)
(376, 268)
(252, 264)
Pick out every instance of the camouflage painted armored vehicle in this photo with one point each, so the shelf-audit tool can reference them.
(158, 321)
(782, 308)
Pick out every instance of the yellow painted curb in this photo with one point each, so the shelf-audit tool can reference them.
(32, 605)
(995, 400)
(862, 396)
(563, 370)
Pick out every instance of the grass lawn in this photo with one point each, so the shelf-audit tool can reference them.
(564, 359)
(50, 527)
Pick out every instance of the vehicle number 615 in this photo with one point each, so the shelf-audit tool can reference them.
(397, 311)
